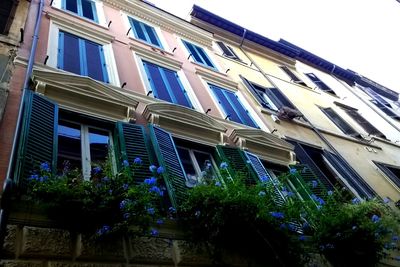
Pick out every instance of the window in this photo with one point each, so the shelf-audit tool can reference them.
(228, 51)
(366, 125)
(197, 161)
(144, 32)
(82, 144)
(198, 54)
(232, 107)
(392, 172)
(320, 84)
(382, 104)
(270, 98)
(331, 170)
(81, 56)
(292, 76)
(83, 8)
(166, 85)
(7, 12)
(339, 122)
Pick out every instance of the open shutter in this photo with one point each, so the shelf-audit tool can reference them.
(168, 157)
(132, 144)
(350, 175)
(303, 182)
(259, 169)
(391, 172)
(366, 125)
(237, 163)
(339, 122)
(37, 140)
(227, 51)
(279, 99)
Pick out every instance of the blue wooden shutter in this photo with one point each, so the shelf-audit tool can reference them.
(69, 58)
(205, 59)
(157, 83)
(227, 51)
(177, 89)
(259, 169)
(225, 104)
(279, 99)
(237, 163)
(133, 144)
(137, 29)
(257, 91)
(242, 112)
(320, 84)
(94, 62)
(71, 5)
(37, 140)
(194, 52)
(350, 175)
(89, 10)
(167, 155)
(152, 35)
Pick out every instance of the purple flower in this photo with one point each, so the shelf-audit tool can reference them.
(137, 161)
(150, 181)
(314, 183)
(110, 191)
(123, 204)
(171, 210)
(105, 179)
(152, 168)
(282, 226)
(126, 216)
(375, 218)
(302, 238)
(395, 238)
(264, 179)
(97, 170)
(151, 211)
(354, 227)
(34, 177)
(156, 190)
(160, 221)
(290, 194)
(160, 170)
(217, 183)
(386, 200)
(223, 165)
(125, 186)
(330, 193)
(197, 214)
(293, 171)
(261, 193)
(103, 230)
(125, 163)
(154, 232)
(355, 201)
(277, 214)
(45, 167)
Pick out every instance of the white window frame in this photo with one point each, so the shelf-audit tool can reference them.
(181, 74)
(206, 50)
(52, 50)
(85, 148)
(125, 20)
(99, 10)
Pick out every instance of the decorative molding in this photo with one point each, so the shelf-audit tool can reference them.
(99, 36)
(84, 95)
(185, 122)
(265, 145)
(157, 56)
(164, 20)
(217, 78)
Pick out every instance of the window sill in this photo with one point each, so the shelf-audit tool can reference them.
(6, 39)
(216, 78)
(151, 46)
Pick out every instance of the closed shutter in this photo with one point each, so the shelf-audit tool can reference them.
(71, 5)
(132, 144)
(137, 28)
(37, 141)
(259, 169)
(339, 122)
(193, 51)
(227, 51)
(94, 62)
(237, 164)
(225, 104)
(350, 175)
(242, 112)
(368, 127)
(155, 77)
(151, 33)
(177, 89)
(166, 153)
(69, 53)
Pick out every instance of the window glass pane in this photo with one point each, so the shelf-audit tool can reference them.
(194, 53)
(205, 162)
(187, 163)
(69, 145)
(71, 5)
(244, 116)
(206, 60)
(93, 60)
(87, 9)
(136, 25)
(71, 60)
(99, 142)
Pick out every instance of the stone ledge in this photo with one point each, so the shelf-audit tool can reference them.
(19, 263)
(101, 250)
(10, 241)
(150, 249)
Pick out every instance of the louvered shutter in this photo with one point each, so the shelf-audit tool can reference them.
(339, 122)
(279, 99)
(193, 51)
(168, 157)
(155, 77)
(94, 62)
(69, 58)
(237, 163)
(151, 33)
(310, 170)
(177, 89)
(71, 5)
(225, 104)
(368, 127)
(7, 13)
(37, 140)
(350, 175)
(132, 144)
(137, 28)
(241, 111)
(320, 84)
(227, 51)
(389, 173)
(257, 91)
(259, 169)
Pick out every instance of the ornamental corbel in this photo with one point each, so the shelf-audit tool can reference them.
(40, 88)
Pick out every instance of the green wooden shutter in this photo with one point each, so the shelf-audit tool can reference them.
(174, 174)
(259, 169)
(237, 163)
(132, 143)
(38, 136)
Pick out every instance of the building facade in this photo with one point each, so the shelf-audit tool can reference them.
(114, 74)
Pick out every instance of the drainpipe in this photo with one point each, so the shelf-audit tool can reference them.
(7, 187)
(317, 132)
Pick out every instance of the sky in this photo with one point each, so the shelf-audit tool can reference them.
(354, 34)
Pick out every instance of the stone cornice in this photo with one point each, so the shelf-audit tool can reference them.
(163, 19)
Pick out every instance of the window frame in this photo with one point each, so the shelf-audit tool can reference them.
(342, 128)
(232, 55)
(391, 177)
(319, 83)
(108, 53)
(198, 48)
(99, 11)
(293, 77)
